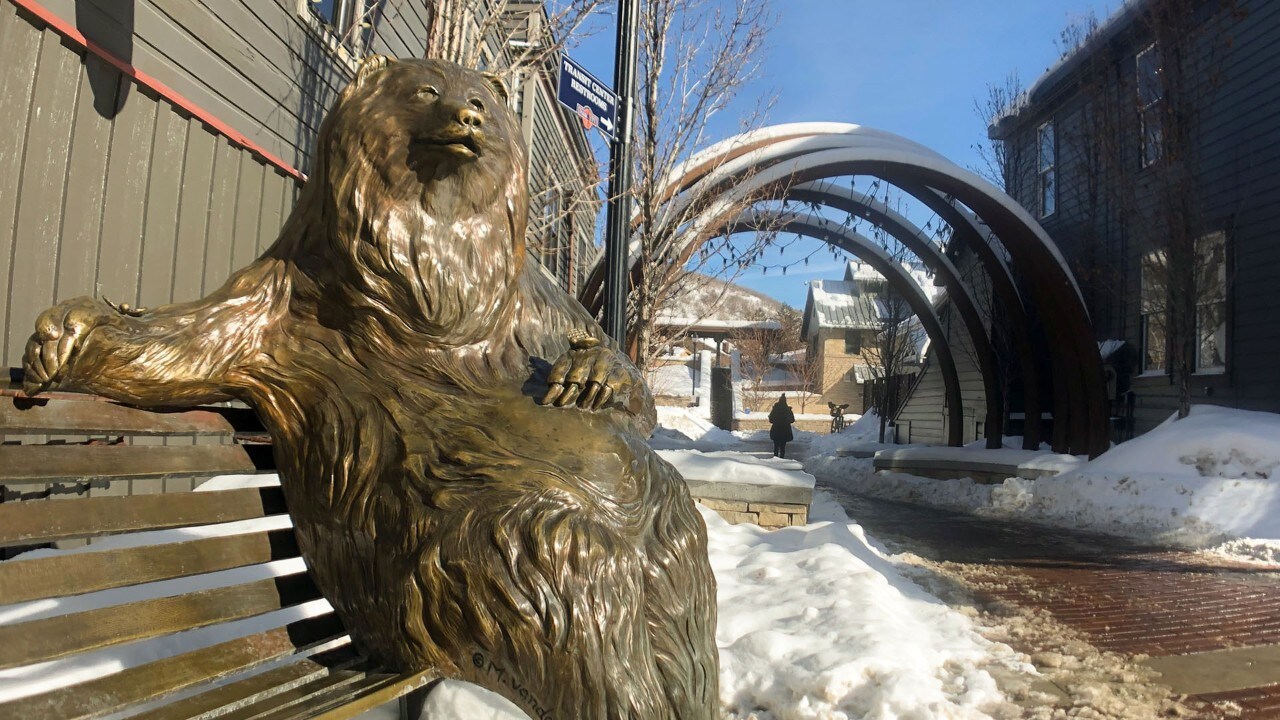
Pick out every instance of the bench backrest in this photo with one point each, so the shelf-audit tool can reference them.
(187, 604)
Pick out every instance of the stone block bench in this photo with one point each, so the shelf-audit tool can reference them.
(770, 492)
(983, 466)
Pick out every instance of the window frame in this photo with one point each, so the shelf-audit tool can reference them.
(1150, 307)
(1149, 94)
(1203, 259)
(857, 338)
(345, 45)
(1047, 171)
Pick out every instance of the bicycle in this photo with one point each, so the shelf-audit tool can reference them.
(837, 416)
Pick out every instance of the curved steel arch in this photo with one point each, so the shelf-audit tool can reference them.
(968, 230)
(820, 228)
(1077, 367)
(911, 237)
(804, 152)
(1079, 396)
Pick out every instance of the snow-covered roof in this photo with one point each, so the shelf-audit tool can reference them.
(715, 323)
(1042, 88)
(842, 304)
(1107, 348)
(856, 270)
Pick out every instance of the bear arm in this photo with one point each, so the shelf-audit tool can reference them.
(547, 315)
(181, 354)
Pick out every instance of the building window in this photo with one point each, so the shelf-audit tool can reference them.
(852, 342)
(1154, 314)
(1211, 303)
(1048, 173)
(553, 214)
(1150, 84)
(344, 20)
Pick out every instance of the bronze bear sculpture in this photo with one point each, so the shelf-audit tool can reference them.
(466, 507)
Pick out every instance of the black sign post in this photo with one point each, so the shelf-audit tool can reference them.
(598, 105)
(618, 215)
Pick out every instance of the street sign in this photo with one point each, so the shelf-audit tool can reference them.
(587, 97)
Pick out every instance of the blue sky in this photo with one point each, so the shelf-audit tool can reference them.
(912, 67)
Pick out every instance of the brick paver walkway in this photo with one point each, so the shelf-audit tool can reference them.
(1122, 596)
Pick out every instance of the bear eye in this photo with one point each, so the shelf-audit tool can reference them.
(475, 103)
(427, 92)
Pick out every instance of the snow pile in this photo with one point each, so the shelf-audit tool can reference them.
(816, 622)
(859, 430)
(736, 467)
(685, 428)
(1206, 480)
(671, 380)
(1010, 456)
(858, 475)
(1212, 442)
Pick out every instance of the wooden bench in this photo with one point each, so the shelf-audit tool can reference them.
(190, 624)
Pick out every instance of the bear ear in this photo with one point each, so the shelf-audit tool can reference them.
(369, 66)
(497, 85)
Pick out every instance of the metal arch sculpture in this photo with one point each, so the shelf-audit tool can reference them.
(818, 227)
(787, 155)
(968, 230)
(911, 237)
(1073, 396)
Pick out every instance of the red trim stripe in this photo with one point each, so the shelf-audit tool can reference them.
(69, 31)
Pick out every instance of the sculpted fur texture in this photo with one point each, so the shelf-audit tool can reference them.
(466, 506)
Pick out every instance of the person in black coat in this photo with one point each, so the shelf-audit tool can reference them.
(780, 419)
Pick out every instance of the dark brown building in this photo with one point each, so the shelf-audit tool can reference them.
(1086, 154)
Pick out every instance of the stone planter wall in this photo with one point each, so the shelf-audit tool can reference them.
(769, 516)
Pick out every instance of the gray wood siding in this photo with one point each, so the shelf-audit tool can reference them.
(257, 65)
(148, 207)
(922, 417)
(925, 411)
(551, 167)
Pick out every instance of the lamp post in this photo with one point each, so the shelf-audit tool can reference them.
(618, 214)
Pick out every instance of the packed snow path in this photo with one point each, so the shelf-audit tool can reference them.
(1212, 627)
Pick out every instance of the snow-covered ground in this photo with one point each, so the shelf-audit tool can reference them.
(820, 622)
(1209, 481)
(815, 622)
(735, 467)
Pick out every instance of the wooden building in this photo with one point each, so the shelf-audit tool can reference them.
(151, 146)
(1088, 155)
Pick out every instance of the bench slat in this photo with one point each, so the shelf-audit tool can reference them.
(255, 690)
(133, 686)
(349, 701)
(54, 637)
(20, 416)
(294, 700)
(40, 521)
(79, 573)
(28, 464)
